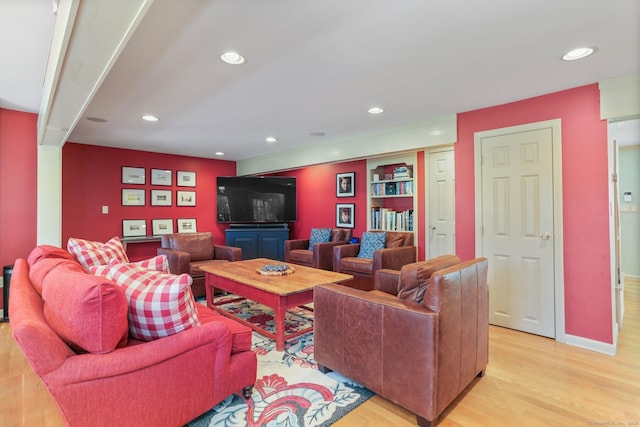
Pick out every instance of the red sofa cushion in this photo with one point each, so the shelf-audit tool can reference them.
(47, 251)
(86, 311)
(240, 335)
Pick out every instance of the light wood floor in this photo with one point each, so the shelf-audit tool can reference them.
(530, 381)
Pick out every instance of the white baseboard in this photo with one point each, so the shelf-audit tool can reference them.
(592, 345)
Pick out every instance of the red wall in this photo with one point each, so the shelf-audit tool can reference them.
(18, 184)
(91, 178)
(317, 197)
(587, 280)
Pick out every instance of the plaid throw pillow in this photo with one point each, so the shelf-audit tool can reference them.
(89, 253)
(319, 235)
(371, 242)
(157, 263)
(160, 304)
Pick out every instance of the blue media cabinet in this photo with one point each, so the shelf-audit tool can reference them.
(259, 241)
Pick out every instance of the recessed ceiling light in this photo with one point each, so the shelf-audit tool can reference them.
(579, 53)
(219, 153)
(271, 139)
(150, 118)
(375, 110)
(233, 58)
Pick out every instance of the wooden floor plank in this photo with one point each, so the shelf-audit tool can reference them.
(530, 381)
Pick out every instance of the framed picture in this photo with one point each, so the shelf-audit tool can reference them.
(186, 179)
(345, 215)
(160, 177)
(160, 197)
(132, 197)
(187, 225)
(134, 227)
(162, 226)
(346, 184)
(185, 198)
(132, 175)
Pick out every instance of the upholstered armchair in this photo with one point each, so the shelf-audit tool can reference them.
(391, 250)
(297, 251)
(420, 349)
(187, 252)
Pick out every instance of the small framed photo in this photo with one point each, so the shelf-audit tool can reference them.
(345, 215)
(186, 179)
(160, 197)
(162, 226)
(132, 197)
(185, 198)
(346, 184)
(187, 225)
(160, 177)
(134, 227)
(132, 175)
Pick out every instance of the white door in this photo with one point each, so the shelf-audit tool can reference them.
(518, 228)
(441, 208)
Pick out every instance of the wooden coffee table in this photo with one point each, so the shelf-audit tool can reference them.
(277, 292)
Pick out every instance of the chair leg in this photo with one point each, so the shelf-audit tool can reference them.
(481, 373)
(423, 422)
(324, 369)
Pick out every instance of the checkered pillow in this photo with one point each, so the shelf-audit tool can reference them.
(319, 235)
(89, 253)
(160, 304)
(157, 263)
(371, 242)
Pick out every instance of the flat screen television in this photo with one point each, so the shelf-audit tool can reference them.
(255, 199)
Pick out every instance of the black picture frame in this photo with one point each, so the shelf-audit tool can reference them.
(345, 215)
(346, 184)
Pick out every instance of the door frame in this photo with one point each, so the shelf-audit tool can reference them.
(558, 238)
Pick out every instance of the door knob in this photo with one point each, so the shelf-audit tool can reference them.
(432, 227)
(545, 236)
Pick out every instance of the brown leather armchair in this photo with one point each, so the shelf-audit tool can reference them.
(398, 251)
(297, 251)
(420, 355)
(187, 252)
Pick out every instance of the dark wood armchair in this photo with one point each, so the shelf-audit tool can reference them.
(297, 251)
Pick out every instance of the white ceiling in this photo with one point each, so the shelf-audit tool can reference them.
(315, 66)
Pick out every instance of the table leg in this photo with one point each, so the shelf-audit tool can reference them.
(279, 313)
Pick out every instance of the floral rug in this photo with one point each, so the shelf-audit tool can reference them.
(290, 390)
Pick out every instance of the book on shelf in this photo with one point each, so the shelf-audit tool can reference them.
(403, 188)
(391, 220)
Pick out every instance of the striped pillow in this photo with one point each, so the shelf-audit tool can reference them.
(160, 304)
(89, 253)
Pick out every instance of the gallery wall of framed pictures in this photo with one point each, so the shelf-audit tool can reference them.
(151, 188)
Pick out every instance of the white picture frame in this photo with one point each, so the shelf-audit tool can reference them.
(133, 175)
(186, 179)
(187, 225)
(346, 215)
(133, 197)
(185, 198)
(162, 226)
(161, 177)
(134, 228)
(160, 197)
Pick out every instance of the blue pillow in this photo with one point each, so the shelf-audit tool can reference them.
(371, 242)
(319, 235)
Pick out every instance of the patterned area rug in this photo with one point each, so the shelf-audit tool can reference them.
(290, 390)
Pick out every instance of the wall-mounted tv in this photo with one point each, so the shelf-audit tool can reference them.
(254, 199)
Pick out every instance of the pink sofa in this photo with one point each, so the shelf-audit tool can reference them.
(119, 381)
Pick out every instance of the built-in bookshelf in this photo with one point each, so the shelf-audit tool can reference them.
(391, 190)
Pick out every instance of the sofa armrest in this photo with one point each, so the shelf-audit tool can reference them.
(293, 244)
(394, 258)
(386, 280)
(178, 260)
(230, 253)
(323, 254)
(344, 251)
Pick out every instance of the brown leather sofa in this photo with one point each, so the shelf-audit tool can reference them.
(187, 252)
(297, 251)
(420, 355)
(398, 251)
